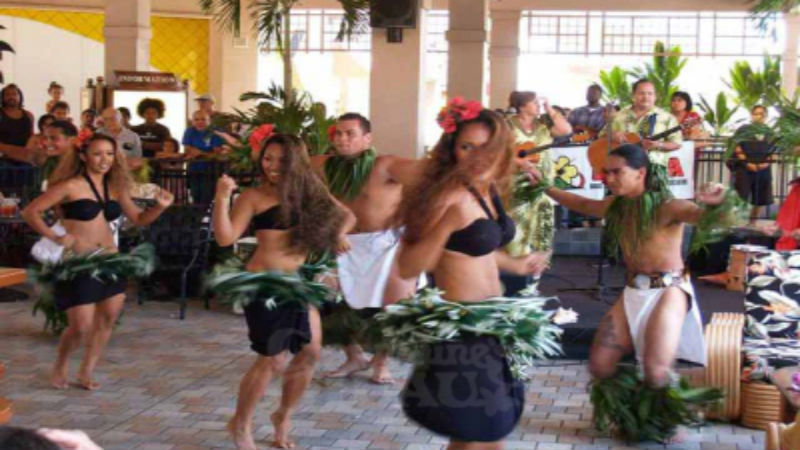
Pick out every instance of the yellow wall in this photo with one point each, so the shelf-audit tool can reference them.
(178, 45)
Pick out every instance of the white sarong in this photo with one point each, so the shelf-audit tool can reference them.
(639, 304)
(364, 270)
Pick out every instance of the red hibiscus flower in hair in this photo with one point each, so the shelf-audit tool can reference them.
(83, 136)
(258, 136)
(331, 132)
(458, 110)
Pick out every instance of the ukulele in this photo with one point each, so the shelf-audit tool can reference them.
(598, 151)
(530, 152)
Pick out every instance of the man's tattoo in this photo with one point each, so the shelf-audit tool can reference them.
(606, 336)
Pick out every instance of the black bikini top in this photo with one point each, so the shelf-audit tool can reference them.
(271, 220)
(86, 209)
(484, 235)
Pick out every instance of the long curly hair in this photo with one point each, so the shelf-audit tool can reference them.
(442, 174)
(304, 198)
(71, 165)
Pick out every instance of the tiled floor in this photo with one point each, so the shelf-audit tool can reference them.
(168, 384)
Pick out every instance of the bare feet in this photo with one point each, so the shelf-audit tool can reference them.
(282, 423)
(348, 368)
(58, 379)
(88, 384)
(381, 374)
(241, 436)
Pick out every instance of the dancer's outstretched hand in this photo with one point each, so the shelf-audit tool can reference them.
(710, 194)
(164, 198)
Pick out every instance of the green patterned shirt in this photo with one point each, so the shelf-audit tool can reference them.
(627, 122)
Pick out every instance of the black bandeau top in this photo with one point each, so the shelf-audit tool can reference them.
(271, 220)
(484, 235)
(86, 209)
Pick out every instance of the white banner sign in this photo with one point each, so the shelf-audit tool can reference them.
(574, 172)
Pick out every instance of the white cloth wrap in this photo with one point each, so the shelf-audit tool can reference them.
(639, 305)
(364, 270)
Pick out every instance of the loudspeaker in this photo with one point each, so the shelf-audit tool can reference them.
(393, 13)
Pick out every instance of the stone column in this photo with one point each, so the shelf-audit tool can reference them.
(127, 36)
(232, 63)
(468, 62)
(503, 56)
(789, 78)
(396, 91)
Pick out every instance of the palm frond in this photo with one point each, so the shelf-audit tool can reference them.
(268, 17)
(355, 19)
(227, 13)
(766, 12)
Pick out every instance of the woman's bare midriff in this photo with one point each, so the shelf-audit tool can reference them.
(90, 235)
(273, 253)
(466, 279)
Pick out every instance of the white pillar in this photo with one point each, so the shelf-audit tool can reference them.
(232, 63)
(396, 91)
(789, 82)
(503, 56)
(127, 36)
(468, 61)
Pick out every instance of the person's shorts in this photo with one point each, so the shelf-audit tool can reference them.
(754, 187)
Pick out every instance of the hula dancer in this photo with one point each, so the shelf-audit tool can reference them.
(455, 225)
(371, 186)
(90, 189)
(657, 316)
(292, 214)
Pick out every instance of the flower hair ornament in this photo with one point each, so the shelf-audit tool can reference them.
(457, 110)
(83, 136)
(258, 136)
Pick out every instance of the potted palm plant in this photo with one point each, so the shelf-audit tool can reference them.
(271, 22)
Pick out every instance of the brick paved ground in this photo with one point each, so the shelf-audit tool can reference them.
(168, 384)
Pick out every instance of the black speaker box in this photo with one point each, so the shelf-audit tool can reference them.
(393, 13)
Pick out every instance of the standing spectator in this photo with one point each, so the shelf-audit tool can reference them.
(56, 91)
(88, 117)
(38, 142)
(205, 103)
(126, 116)
(128, 142)
(200, 140)
(16, 127)
(152, 133)
(750, 165)
(60, 111)
(589, 118)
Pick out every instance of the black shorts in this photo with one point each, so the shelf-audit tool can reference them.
(754, 187)
(465, 391)
(272, 331)
(84, 290)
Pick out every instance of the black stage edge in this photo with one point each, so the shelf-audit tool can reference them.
(573, 279)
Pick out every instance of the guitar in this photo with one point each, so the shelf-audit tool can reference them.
(598, 151)
(529, 151)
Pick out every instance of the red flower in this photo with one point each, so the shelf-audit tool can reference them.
(83, 136)
(456, 111)
(331, 132)
(258, 136)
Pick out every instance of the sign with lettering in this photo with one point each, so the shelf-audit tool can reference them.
(146, 81)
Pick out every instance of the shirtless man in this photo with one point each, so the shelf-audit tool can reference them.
(368, 276)
(657, 315)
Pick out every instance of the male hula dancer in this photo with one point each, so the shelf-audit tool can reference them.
(646, 119)
(657, 316)
(370, 186)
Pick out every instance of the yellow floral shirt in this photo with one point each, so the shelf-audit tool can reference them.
(535, 220)
(627, 122)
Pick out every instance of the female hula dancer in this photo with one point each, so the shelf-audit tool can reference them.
(90, 188)
(292, 214)
(455, 225)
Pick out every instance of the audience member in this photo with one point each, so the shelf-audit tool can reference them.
(56, 91)
(60, 110)
(750, 165)
(88, 117)
(127, 141)
(126, 116)
(589, 118)
(152, 133)
(16, 127)
(200, 140)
